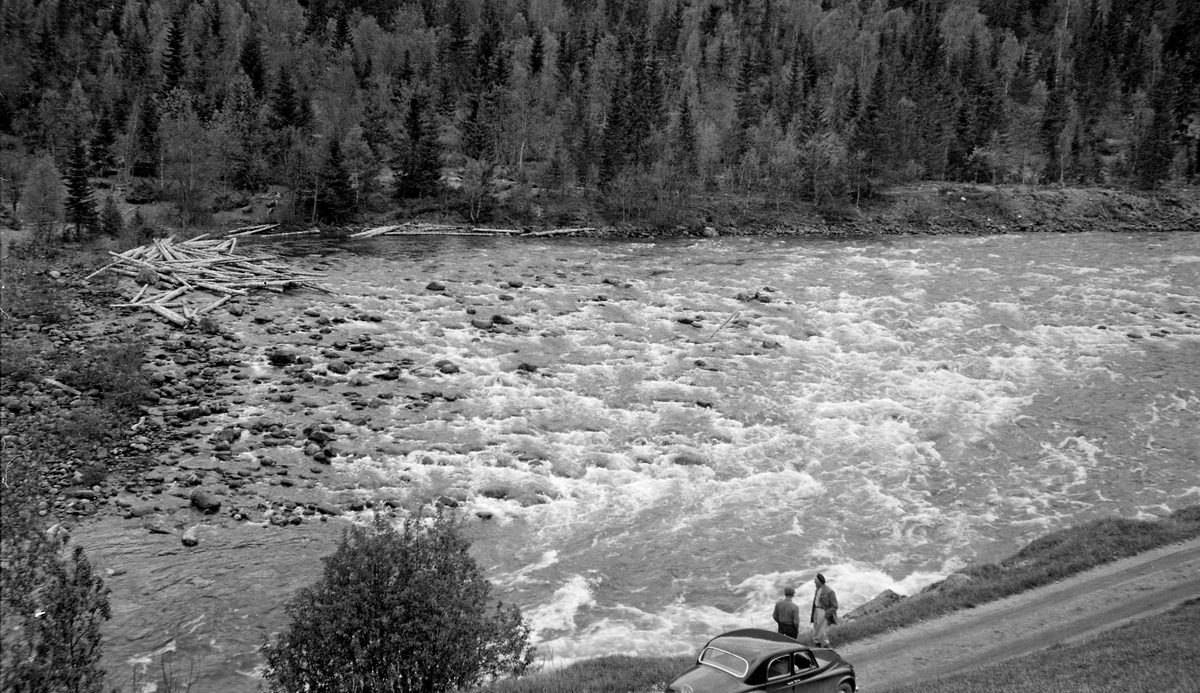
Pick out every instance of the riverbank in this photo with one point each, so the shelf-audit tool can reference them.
(300, 362)
(934, 208)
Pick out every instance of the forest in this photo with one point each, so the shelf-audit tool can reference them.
(544, 111)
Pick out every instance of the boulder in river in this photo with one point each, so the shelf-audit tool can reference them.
(689, 458)
(204, 501)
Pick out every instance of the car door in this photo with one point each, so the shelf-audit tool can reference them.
(781, 677)
(812, 675)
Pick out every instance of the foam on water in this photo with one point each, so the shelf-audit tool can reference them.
(679, 455)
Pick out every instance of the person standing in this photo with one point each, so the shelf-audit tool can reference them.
(824, 611)
(787, 614)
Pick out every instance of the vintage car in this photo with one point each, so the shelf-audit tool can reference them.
(758, 660)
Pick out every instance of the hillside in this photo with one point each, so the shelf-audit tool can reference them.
(659, 114)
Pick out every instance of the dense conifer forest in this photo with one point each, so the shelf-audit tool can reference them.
(536, 107)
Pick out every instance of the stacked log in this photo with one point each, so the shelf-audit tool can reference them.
(168, 271)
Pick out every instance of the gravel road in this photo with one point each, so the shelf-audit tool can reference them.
(1078, 607)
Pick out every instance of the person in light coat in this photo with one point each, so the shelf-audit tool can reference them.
(824, 611)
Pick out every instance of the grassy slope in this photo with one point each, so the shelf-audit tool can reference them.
(1158, 654)
(1045, 560)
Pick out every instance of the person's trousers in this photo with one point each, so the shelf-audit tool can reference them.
(820, 627)
(791, 630)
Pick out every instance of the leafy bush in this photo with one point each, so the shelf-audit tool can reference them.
(51, 606)
(398, 611)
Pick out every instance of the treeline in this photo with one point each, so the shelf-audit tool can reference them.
(636, 105)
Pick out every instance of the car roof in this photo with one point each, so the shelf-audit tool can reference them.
(753, 644)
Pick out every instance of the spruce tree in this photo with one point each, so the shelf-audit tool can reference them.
(341, 33)
(1053, 122)
(685, 143)
(80, 207)
(146, 156)
(111, 222)
(173, 66)
(287, 107)
(1152, 163)
(103, 158)
(748, 112)
(537, 54)
(135, 55)
(252, 62)
(419, 166)
(870, 135)
(315, 17)
(336, 202)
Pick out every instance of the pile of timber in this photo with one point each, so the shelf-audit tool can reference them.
(169, 273)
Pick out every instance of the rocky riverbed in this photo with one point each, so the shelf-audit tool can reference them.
(179, 505)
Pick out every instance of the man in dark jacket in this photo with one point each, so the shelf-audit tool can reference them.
(824, 611)
(787, 614)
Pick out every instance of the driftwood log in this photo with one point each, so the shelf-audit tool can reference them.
(176, 270)
(415, 229)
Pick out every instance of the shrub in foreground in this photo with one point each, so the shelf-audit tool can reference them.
(51, 605)
(398, 611)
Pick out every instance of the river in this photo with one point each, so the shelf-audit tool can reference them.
(647, 458)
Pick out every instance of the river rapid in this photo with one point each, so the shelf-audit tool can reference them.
(676, 456)
(651, 439)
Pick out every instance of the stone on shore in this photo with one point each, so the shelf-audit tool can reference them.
(883, 600)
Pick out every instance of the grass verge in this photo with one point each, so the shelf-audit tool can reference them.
(1158, 654)
(1045, 560)
(612, 674)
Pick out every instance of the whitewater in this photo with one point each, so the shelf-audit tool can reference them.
(654, 437)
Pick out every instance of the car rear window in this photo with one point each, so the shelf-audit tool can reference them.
(725, 661)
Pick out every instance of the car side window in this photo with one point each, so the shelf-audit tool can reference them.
(780, 666)
(804, 661)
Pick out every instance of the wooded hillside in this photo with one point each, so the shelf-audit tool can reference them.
(536, 107)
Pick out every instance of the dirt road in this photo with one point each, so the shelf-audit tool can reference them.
(1072, 609)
